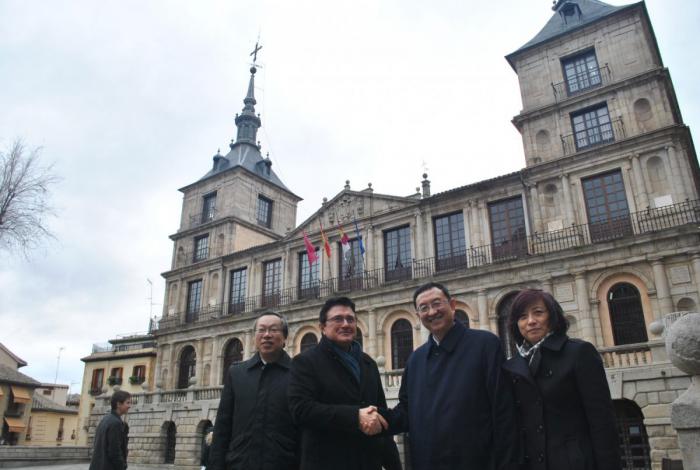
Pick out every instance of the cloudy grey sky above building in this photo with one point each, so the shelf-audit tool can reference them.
(132, 99)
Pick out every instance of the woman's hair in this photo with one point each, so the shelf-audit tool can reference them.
(526, 297)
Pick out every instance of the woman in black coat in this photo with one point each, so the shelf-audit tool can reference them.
(561, 391)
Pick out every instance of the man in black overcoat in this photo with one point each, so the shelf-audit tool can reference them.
(253, 428)
(110, 447)
(333, 393)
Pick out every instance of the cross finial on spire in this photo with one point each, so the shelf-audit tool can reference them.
(255, 51)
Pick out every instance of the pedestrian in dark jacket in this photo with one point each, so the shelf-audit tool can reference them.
(331, 391)
(455, 400)
(111, 437)
(565, 411)
(253, 428)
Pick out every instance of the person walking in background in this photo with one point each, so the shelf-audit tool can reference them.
(111, 437)
(562, 393)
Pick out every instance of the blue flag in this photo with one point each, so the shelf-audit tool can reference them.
(359, 236)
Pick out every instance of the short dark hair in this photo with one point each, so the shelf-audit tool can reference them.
(426, 287)
(120, 396)
(285, 326)
(334, 302)
(526, 297)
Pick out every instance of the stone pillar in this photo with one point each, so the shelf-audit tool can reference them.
(676, 178)
(475, 224)
(484, 223)
(370, 250)
(428, 235)
(535, 209)
(248, 345)
(569, 217)
(587, 331)
(663, 292)
(216, 377)
(372, 333)
(419, 251)
(682, 348)
(287, 266)
(696, 269)
(547, 285)
(199, 365)
(482, 305)
(641, 187)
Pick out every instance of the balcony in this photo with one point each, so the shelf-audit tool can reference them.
(136, 380)
(593, 136)
(576, 236)
(195, 220)
(585, 81)
(114, 380)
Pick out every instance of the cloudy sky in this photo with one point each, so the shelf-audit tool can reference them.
(131, 99)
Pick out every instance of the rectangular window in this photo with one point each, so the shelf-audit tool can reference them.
(97, 381)
(264, 215)
(581, 72)
(201, 248)
(508, 235)
(606, 206)
(59, 435)
(397, 254)
(308, 276)
(239, 285)
(272, 283)
(138, 375)
(450, 245)
(351, 266)
(592, 127)
(209, 207)
(115, 376)
(194, 300)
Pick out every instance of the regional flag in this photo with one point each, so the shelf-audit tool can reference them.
(310, 250)
(326, 245)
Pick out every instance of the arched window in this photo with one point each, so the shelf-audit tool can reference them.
(232, 355)
(462, 317)
(308, 341)
(170, 432)
(358, 337)
(626, 314)
(634, 443)
(401, 343)
(188, 363)
(503, 310)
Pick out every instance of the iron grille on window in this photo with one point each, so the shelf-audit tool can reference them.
(606, 205)
(272, 283)
(401, 343)
(239, 281)
(626, 315)
(264, 215)
(592, 127)
(308, 277)
(397, 254)
(188, 366)
(450, 245)
(508, 234)
(201, 248)
(209, 207)
(194, 300)
(581, 72)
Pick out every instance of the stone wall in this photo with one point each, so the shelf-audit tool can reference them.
(25, 456)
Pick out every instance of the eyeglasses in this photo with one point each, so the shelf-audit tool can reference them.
(339, 319)
(434, 305)
(272, 330)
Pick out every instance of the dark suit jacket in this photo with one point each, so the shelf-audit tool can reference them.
(325, 399)
(566, 415)
(109, 451)
(457, 404)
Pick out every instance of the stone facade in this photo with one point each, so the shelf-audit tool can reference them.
(604, 216)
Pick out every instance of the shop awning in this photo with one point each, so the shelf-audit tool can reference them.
(21, 395)
(15, 425)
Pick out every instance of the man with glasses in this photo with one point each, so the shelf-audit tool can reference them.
(254, 429)
(334, 390)
(455, 401)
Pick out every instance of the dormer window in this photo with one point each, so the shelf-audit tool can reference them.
(570, 12)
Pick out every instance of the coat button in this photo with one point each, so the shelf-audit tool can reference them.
(540, 458)
(550, 373)
(540, 428)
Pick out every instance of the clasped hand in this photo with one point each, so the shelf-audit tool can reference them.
(371, 422)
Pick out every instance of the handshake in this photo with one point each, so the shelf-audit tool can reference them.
(371, 422)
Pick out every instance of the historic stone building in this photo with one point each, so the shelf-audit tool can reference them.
(604, 215)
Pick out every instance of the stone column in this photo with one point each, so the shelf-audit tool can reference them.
(696, 269)
(418, 228)
(475, 224)
(248, 345)
(482, 305)
(641, 187)
(569, 217)
(370, 250)
(676, 179)
(199, 365)
(372, 333)
(587, 331)
(287, 265)
(682, 348)
(484, 223)
(535, 208)
(428, 235)
(663, 292)
(216, 377)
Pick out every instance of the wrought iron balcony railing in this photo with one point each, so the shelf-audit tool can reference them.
(201, 218)
(582, 82)
(576, 236)
(593, 136)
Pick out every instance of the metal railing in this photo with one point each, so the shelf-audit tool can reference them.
(201, 218)
(576, 236)
(593, 136)
(582, 82)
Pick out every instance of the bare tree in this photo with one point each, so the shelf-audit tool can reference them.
(25, 185)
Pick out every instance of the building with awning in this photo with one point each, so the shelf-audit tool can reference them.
(16, 392)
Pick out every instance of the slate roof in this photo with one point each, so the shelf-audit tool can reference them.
(559, 24)
(20, 362)
(10, 375)
(40, 403)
